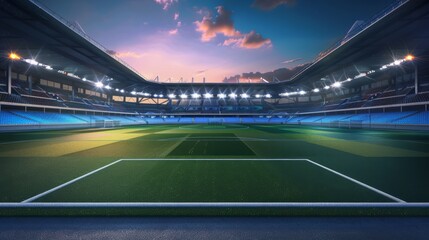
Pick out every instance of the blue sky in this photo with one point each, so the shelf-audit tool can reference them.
(218, 38)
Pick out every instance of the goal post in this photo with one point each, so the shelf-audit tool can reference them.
(107, 123)
(215, 121)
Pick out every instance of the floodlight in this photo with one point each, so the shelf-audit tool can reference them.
(133, 93)
(268, 95)
(337, 84)
(14, 56)
(183, 96)
(31, 61)
(244, 95)
(171, 96)
(99, 84)
(302, 92)
(258, 96)
(221, 95)
(409, 57)
(316, 90)
(208, 95)
(326, 87)
(195, 95)
(232, 95)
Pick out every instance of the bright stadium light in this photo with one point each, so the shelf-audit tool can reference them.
(14, 56)
(117, 89)
(48, 67)
(302, 92)
(161, 95)
(233, 95)
(397, 62)
(99, 84)
(84, 79)
(171, 95)
(316, 90)
(258, 96)
(244, 95)
(122, 91)
(108, 87)
(409, 57)
(221, 95)
(155, 95)
(133, 93)
(337, 84)
(326, 87)
(384, 67)
(268, 95)
(183, 96)
(195, 95)
(208, 95)
(31, 61)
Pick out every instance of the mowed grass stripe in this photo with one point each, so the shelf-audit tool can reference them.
(147, 146)
(61, 146)
(208, 144)
(358, 148)
(214, 181)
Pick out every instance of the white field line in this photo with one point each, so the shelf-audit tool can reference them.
(68, 183)
(28, 202)
(212, 205)
(213, 159)
(31, 199)
(359, 183)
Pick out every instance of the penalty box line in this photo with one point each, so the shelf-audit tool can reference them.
(31, 199)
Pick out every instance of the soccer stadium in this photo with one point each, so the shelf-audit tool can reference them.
(83, 133)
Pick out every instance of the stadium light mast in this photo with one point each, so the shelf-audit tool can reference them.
(13, 57)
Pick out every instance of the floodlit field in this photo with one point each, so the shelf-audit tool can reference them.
(214, 170)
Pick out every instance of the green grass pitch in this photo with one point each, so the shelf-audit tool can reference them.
(249, 167)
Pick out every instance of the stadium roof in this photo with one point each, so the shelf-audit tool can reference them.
(37, 33)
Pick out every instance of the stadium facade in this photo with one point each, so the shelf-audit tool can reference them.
(52, 75)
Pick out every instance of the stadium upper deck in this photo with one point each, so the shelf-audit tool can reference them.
(378, 65)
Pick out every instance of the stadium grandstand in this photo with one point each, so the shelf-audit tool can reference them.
(384, 85)
(63, 96)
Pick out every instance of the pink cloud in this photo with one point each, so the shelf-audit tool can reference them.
(166, 3)
(176, 16)
(222, 24)
(173, 31)
(251, 40)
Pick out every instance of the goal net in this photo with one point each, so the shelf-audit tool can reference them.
(215, 121)
(107, 123)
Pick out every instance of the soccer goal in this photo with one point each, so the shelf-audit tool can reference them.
(107, 123)
(215, 121)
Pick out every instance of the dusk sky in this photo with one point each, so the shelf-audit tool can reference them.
(217, 38)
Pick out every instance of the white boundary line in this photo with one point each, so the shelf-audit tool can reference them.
(68, 183)
(29, 202)
(359, 183)
(213, 205)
